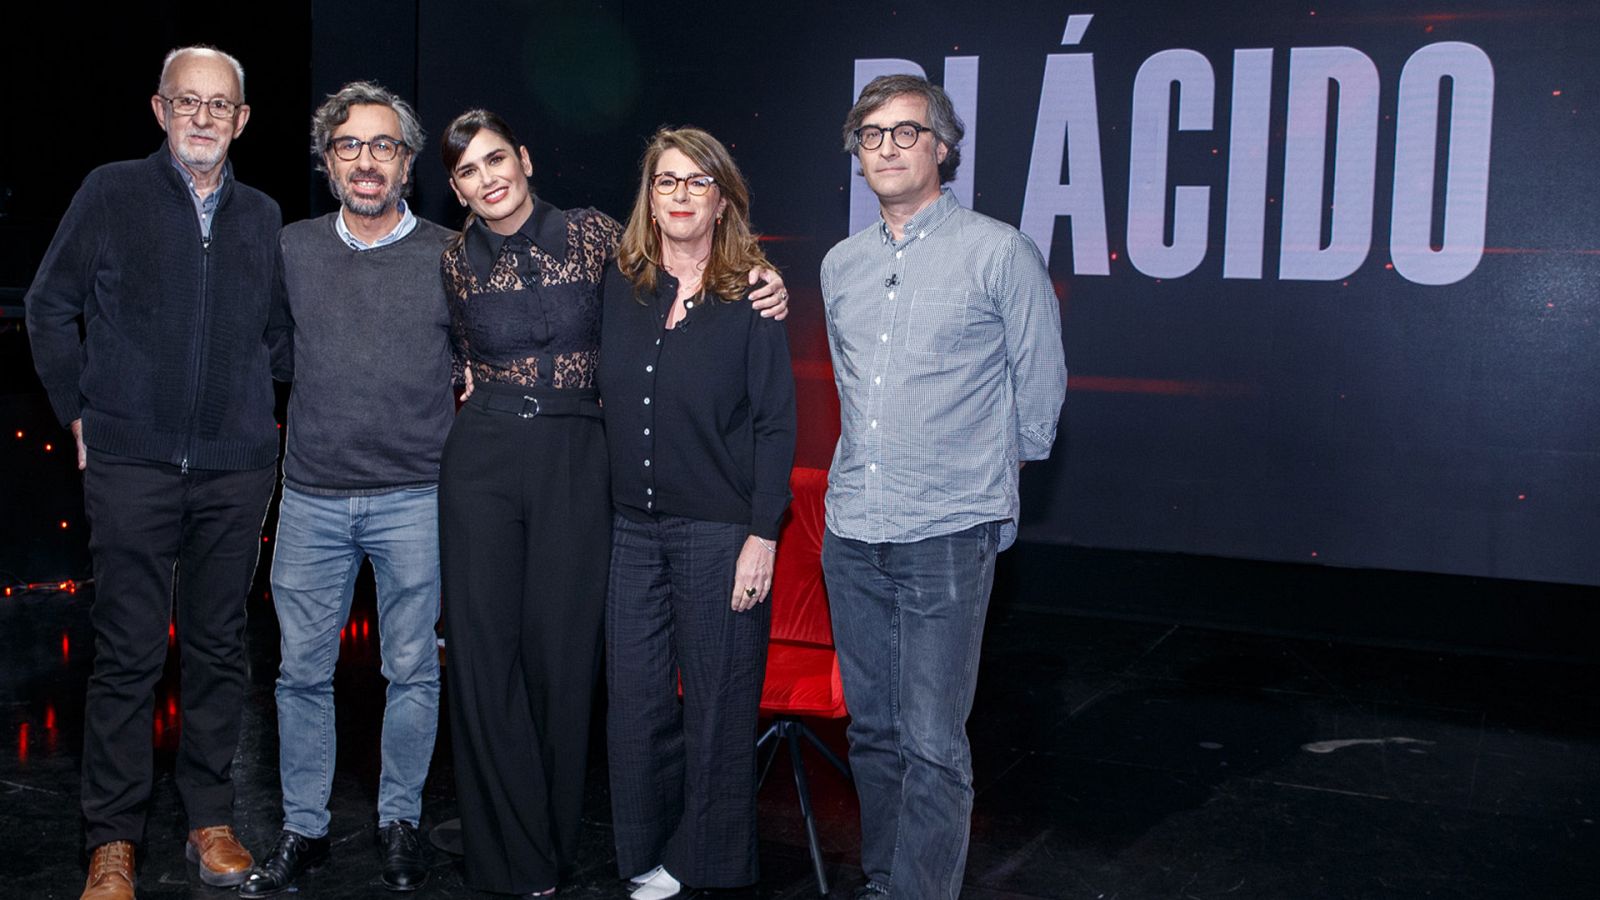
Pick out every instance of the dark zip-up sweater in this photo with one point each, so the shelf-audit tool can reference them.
(174, 360)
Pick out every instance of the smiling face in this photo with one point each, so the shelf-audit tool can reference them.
(200, 141)
(365, 186)
(899, 176)
(491, 178)
(682, 217)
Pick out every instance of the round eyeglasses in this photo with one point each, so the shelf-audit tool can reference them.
(189, 104)
(667, 183)
(383, 149)
(870, 137)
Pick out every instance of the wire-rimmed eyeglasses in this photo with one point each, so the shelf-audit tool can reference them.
(189, 104)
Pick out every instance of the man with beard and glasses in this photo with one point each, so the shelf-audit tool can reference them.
(166, 266)
(371, 406)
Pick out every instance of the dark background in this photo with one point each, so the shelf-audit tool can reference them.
(1368, 423)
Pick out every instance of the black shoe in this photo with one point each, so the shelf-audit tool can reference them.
(870, 891)
(292, 856)
(405, 860)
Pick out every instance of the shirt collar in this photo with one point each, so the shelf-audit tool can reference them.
(210, 200)
(546, 228)
(926, 219)
(408, 221)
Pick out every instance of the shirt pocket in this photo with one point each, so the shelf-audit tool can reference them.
(938, 319)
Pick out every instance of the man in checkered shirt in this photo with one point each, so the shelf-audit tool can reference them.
(946, 341)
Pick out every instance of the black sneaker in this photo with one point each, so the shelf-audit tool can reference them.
(870, 891)
(405, 859)
(292, 856)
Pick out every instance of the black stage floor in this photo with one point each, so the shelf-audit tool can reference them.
(1114, 759)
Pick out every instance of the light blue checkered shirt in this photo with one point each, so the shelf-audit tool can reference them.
(948, 359)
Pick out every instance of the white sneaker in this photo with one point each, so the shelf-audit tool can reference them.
(659, 886)
(642, 877)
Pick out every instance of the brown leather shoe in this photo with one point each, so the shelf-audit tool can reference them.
(223, 861)
(110, 872)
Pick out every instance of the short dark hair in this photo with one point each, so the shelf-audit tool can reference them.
(942, 118)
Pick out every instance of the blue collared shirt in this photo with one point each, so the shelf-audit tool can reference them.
(948, 359)
(408, 222)
(204, 207)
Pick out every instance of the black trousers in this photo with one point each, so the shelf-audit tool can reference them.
(683, 776)
(524, 520)
(157, 533)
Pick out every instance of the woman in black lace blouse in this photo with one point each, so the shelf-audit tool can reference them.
(524, 508)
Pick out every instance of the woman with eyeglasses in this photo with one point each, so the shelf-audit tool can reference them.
(700, 416)
(524, 507)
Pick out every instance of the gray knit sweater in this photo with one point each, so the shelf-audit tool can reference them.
(372, 400)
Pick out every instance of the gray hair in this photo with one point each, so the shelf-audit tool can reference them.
(335, 111)
(172, 57)
(942, 118)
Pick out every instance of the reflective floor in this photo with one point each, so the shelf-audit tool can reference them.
(1114, 759)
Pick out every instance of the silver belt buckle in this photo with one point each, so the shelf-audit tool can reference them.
(526, 414)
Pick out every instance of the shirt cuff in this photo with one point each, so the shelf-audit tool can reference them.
(1034, 441)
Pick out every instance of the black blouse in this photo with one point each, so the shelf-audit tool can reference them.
(525, 308)
(700, 418)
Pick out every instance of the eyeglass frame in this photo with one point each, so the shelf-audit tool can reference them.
(334, 142)
(228, 110)
(657, 179)
(861, 142)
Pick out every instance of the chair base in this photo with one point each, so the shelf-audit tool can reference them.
(788, 730)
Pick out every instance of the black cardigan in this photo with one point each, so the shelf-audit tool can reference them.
(175, 362)
(700, 418)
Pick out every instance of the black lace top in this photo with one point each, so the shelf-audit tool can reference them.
(525, 308)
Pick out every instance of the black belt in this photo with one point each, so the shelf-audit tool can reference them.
(584, 402)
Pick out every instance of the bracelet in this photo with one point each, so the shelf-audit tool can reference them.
(771, 547)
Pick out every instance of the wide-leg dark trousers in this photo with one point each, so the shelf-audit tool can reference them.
(157, 536)
(524, 519)
(683, 776)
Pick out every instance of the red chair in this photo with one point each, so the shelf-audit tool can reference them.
(802, 668)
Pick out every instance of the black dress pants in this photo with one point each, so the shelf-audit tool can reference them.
(524, 519)
(683, 775)
(152, 525)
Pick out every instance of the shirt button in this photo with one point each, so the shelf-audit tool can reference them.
(647, 432)
(649, 504)
(650, 491)
(877, 379)
(649, 368)
(874, 423)
(873, 467)
(647, 464)
(884, 338)
(899, 253)
(891, 295)
(647, 401)
(658, 342)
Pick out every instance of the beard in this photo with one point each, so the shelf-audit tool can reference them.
(205, 158)
(371, 207)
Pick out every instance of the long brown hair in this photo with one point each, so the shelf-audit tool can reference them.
(458, 136)
(734, 248)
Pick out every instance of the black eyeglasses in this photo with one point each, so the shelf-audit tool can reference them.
(382, 149)
(870, 137)
(188, 105)
(667, 183)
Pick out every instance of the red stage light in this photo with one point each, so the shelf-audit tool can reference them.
(63, 524)
(22, 743)
(49, 447)
(50, 718)
(66, 647)
(19, 434)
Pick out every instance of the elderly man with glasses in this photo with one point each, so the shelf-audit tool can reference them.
(167, 264)
(371, 406)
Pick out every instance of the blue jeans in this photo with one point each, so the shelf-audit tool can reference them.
(908, 624)
(321, 542)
